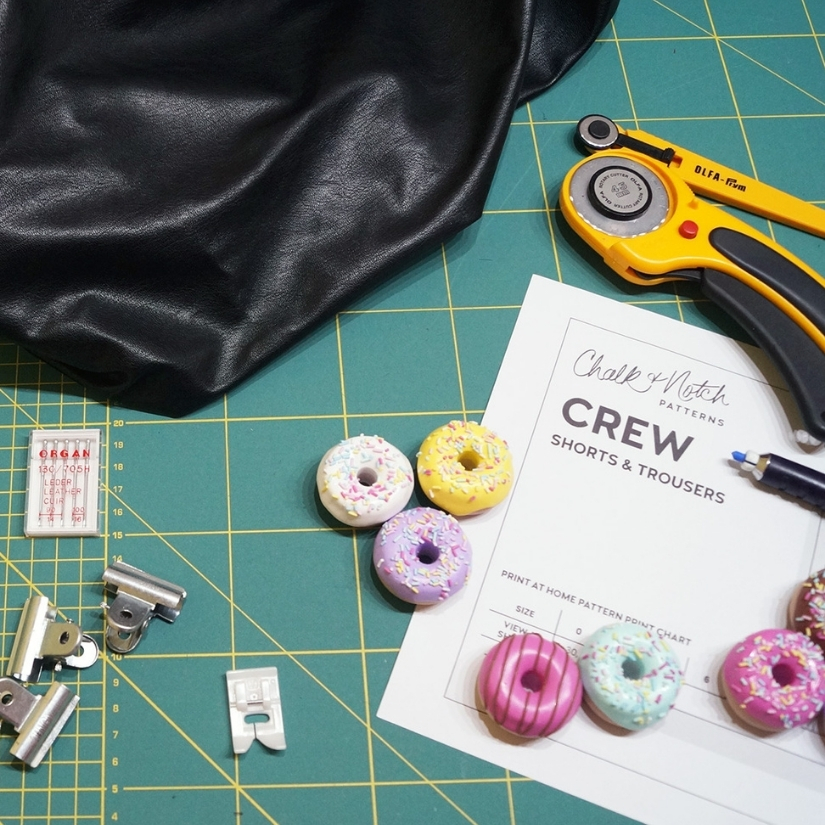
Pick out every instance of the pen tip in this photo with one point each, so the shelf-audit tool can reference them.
(737, 456)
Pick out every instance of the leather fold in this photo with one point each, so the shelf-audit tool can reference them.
(189, 187)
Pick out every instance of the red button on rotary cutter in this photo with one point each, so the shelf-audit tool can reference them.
(689, 230)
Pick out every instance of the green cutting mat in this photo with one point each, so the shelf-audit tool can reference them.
(223, 503)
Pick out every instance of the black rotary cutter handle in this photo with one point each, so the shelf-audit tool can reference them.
(796, 355)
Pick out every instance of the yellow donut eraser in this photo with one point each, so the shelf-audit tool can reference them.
(465, 468)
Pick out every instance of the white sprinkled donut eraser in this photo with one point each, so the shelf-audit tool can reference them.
(63, 481)
(364, 481)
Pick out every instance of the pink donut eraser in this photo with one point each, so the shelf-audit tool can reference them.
(530, 686)
(775, 679)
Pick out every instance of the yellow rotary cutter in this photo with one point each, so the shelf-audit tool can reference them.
(633, 200)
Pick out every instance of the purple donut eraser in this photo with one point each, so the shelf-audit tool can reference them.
(422, 555)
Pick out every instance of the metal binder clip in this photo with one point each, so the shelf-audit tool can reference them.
(138, 598)
(255, 691)
(41, 640)
(37, 719)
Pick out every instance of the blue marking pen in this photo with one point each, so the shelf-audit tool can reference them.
(782, 474)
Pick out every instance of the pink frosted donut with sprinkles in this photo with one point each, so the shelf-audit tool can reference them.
(806, 610)
(775, 680)
(465, 468)
(364, 481)
(529, 685)
(422, 556)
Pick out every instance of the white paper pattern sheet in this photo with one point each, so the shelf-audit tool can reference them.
(627, 506)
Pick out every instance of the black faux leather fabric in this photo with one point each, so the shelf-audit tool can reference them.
(187, 186)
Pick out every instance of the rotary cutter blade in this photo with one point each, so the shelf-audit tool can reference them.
(619, 196)
(634, 201)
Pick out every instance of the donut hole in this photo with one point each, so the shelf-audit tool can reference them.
(367, 476)
(783, 674)
(469, 460)
(633, 668)
(427, 553)
(532, 681)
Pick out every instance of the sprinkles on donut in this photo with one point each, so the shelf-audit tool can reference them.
(807, 609)
(775, 679)
(422, 556)
(631, 677)
(465, 468)
(364, 481)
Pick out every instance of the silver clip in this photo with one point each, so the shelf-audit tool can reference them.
(138, 598)
(41, 640)
(37, 719)
(255, 691)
